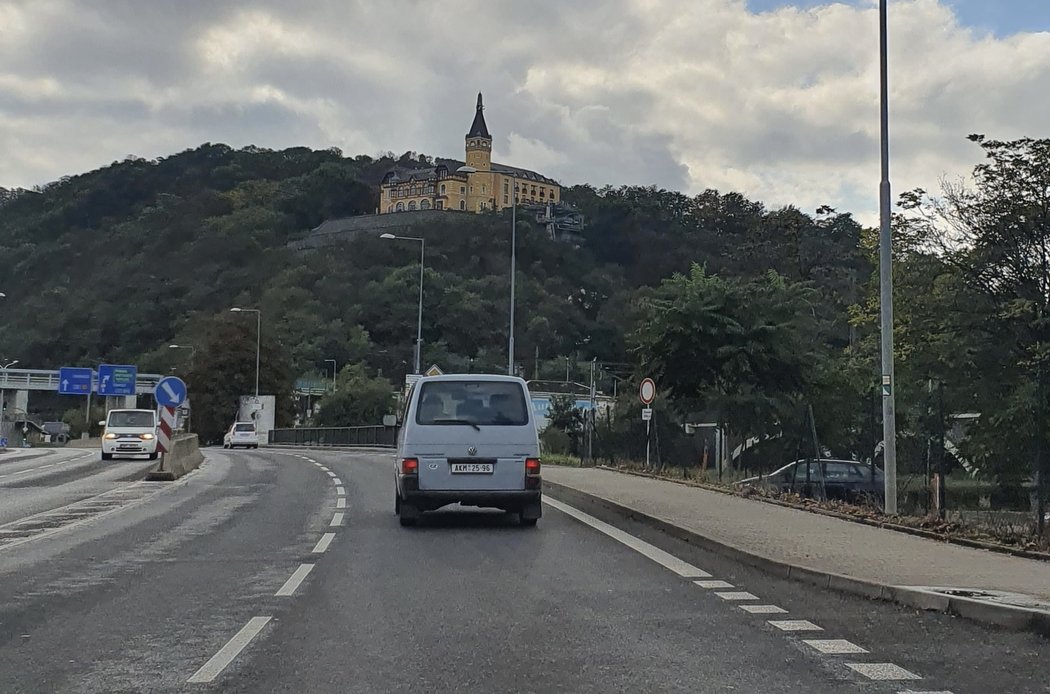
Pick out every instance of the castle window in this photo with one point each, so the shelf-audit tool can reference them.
(462, 190)
(462, 204)
(506, 187)
(442, 188)
(390, 209)
(400, 207)
(424, 205)
(482, 188)
(506, 200)
(412, 205)
(440, 205)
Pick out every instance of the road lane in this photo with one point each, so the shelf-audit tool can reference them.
(141, 600)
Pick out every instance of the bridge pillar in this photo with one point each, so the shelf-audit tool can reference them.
(21, 401)
(130, 402)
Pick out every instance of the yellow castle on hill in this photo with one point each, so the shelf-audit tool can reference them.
(476, 186)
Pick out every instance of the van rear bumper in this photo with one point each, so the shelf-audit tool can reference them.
(430, 499)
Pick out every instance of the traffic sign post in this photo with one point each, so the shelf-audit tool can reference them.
(647, 393)
(73, 380)
(116, 380)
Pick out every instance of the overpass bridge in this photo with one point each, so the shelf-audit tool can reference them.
(22, 381)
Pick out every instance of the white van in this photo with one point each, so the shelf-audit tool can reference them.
(129, 433)
(468, 439)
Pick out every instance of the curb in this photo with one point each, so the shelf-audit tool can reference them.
(886, 525)
(1004, 616)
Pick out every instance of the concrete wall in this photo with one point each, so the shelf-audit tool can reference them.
(348, 228)
(183, 457)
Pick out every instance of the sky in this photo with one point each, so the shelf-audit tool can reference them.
(777, 100)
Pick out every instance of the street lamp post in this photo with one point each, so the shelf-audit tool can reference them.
(889, 415)
(258, 341)
(513, 273)
(193, 350)
(419, 320)
(4, 368)
(333, 372)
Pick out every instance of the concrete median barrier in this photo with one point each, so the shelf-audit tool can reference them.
(185, 455)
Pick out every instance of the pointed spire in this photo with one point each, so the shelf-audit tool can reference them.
(478, 127)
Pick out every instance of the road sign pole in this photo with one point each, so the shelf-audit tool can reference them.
(87, 413)
(647, 423)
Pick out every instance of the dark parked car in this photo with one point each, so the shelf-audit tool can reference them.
(848, 480)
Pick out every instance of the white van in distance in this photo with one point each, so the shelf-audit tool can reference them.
(129, 433)
(468, 439)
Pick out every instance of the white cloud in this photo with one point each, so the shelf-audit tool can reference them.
(780, 105)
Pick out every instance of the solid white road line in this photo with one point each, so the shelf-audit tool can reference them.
(647, 550)
(737, 596)
(794, 625)
(337, 519)
(211, 669)
(340, 502)
(323, 543)
(296, 578)
(882, 671)
(340, 491)
(834, 646)
(763, 609)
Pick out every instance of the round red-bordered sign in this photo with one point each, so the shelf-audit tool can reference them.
(647, 391)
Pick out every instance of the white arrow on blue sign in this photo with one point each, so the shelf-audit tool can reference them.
(170, 392)
(74, 380)
(116, 380)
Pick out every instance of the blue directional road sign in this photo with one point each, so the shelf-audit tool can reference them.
(170, 392)
(116, 380)
(74, 381)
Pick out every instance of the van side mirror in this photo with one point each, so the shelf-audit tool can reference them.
(102, 423)
(390, 420)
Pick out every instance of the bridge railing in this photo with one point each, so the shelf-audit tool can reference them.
(47, 379)
(374, 436)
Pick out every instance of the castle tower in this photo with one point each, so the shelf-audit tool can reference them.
(479, 142)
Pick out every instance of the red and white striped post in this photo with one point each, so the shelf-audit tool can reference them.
(167, 425)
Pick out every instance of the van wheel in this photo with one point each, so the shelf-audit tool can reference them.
(407, 514)
(107, 456)
(153, 456)
(529, 522)
(397, 503)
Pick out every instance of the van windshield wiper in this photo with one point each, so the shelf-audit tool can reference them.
(458, 421)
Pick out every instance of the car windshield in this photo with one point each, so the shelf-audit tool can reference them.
(472, 402)
(244, 428)
(131, 419)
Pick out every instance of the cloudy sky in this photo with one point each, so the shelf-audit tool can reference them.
(773, 98)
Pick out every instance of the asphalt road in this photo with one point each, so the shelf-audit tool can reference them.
(235, 579)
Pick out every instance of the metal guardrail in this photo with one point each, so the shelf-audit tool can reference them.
(46, 379)
(377, 436)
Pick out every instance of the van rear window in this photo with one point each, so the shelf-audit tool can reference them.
(500, 403)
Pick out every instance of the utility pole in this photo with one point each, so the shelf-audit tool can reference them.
(591, 417)
(513, 271)
(889, 414)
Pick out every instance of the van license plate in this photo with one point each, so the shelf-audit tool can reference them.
(472, 468)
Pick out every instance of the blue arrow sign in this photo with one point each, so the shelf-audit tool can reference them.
(116, 380)
(170, 392)
(73, 380)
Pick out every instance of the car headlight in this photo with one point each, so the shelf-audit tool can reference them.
(146, 437)
(110, 436)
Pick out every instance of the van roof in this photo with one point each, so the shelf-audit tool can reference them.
(473, 377)
(130, 409)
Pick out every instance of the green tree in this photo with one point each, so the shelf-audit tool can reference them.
(224, 370)
(359, 400)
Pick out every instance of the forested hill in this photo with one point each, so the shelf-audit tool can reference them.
(115, 264)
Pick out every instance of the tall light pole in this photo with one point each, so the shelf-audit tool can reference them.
(513, 273)
(258, 341)
(419, 320)
(4, 368)
(889, 415)
(332, 361)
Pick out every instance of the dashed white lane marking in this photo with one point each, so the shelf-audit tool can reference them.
(330, 473)
(912, 691)
(325, 469)
(336, 480)
(713, 584)
(794, 625)
(340, 502)
(295, 580)
(647, 550)
(763, 609)
(883, 671)
(211, 669)
(323, 543)
(737, 596)
(337, 519)
(340, 491)
(834, 646)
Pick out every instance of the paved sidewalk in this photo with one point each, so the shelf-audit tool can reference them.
(811, 540)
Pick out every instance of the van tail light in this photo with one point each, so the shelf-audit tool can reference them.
(410, 466)
(532, 466)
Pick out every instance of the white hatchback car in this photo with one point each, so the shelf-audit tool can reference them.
(241, 434)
